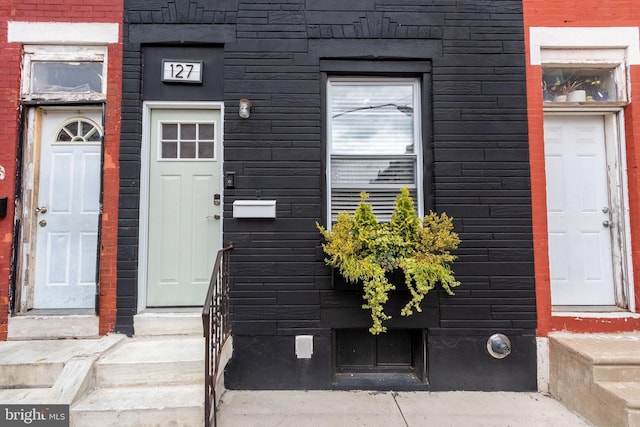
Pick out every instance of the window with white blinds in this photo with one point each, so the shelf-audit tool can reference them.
(373, 143)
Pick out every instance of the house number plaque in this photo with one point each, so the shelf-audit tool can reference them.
(182, 71)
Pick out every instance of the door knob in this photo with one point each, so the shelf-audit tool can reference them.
(43, 223)
(41, 209)
(606, 223)
(216, 216)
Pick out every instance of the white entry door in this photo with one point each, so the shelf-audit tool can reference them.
(578, 211)
(184, 210)
(68, 208)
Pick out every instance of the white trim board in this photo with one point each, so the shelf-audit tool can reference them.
(62, 32)
(627, 38)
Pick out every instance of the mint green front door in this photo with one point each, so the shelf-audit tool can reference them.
(184, 223)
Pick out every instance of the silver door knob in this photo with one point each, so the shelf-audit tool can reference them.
(41, 209)
(216, 216)
(606, 224)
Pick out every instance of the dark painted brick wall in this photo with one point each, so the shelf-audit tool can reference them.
(479, 174)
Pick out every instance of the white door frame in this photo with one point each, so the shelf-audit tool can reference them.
(615, 149)
(31, 152)
(143, 224)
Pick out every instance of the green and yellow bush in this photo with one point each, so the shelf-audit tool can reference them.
(365, 250)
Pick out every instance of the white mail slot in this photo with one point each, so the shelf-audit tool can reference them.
(254, 209)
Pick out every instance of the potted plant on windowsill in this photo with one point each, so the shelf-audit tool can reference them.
(366, 251)
(569, 90)
(595, 89)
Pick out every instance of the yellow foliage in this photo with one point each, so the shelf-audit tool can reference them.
(363, 250)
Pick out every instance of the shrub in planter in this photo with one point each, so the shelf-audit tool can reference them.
(365, 250)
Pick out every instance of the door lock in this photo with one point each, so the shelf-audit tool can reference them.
(605, 209)
(41, 209)
(43, 223)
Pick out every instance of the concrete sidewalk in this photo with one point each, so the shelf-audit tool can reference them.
(48, 371)
(391, 409)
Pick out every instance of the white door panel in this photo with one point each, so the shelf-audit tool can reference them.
(580, 257)
(183, 230)
(68, 202)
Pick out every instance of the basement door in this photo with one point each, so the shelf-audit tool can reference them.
(580, 211)
(184, 209)
(67, 211)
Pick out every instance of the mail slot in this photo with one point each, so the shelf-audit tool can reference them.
(3, 206)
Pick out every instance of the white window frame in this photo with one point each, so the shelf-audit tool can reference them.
(56, 53)
(615, 47)
(197, 141)
(417, 137)
(607, 47)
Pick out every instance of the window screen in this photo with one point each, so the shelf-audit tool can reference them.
(373, 142)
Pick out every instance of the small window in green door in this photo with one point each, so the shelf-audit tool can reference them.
(187, 141)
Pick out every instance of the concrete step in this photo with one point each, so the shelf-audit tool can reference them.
(24, 396)
(629, 392)
(111, 381)
(39, 363)
(146, 381)
(146, 361)
(154, 323)
(35, 326)
(598, 376)
(615, 373)
(625, 396)
(177, 405)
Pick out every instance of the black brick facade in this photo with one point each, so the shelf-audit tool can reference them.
(277, 53)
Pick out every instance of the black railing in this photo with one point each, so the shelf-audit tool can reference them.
(217, 328)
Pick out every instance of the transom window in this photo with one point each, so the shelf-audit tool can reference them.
(373, 143)
(79, 130)
(187, 140)
(50, 77)
(580, 84)
(64, 72)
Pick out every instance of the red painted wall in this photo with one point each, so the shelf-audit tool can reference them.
(583, 13)
(11, 53)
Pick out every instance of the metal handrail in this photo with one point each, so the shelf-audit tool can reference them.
(217, 328)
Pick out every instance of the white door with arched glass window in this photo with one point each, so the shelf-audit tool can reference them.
(68, 208)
